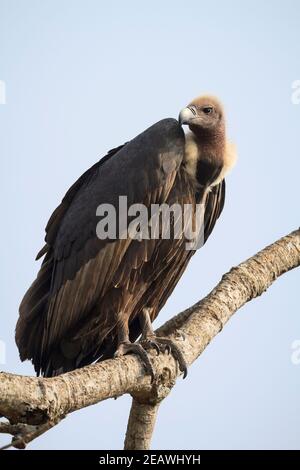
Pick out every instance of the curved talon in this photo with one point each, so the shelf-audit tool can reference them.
(136, 348)
(149, 344)
(171, 347)
(159, 344)
(155, 346)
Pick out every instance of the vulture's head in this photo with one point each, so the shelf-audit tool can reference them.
(204, 113)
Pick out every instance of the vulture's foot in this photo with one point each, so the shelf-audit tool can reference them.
(127, 347)
(161, 344)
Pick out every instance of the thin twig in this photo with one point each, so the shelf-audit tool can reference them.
(24, 433)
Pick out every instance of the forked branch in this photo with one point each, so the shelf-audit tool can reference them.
(42, 402)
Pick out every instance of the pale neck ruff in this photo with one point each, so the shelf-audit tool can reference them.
(193, 153)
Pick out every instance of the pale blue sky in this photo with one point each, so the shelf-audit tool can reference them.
(85, 76)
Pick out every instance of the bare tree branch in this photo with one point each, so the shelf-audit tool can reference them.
(140, 425)
(24, 433)
(37, 401)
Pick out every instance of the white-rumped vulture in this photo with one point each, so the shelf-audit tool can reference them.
(93, 297)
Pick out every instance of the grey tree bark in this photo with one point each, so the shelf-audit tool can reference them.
(140, 425)
(33, 405)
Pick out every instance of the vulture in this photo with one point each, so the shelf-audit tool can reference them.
(95, 296)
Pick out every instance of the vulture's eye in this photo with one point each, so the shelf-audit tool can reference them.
(208, 110)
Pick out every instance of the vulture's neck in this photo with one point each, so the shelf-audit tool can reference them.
(208, 156)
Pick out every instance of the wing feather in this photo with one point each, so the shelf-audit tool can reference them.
(83, 269)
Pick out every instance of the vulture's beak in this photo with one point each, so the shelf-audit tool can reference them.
(187, 115)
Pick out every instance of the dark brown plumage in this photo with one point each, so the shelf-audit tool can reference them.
(91, 296)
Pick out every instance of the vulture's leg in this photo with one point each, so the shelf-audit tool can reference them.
(125, 347)
(150, 340)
